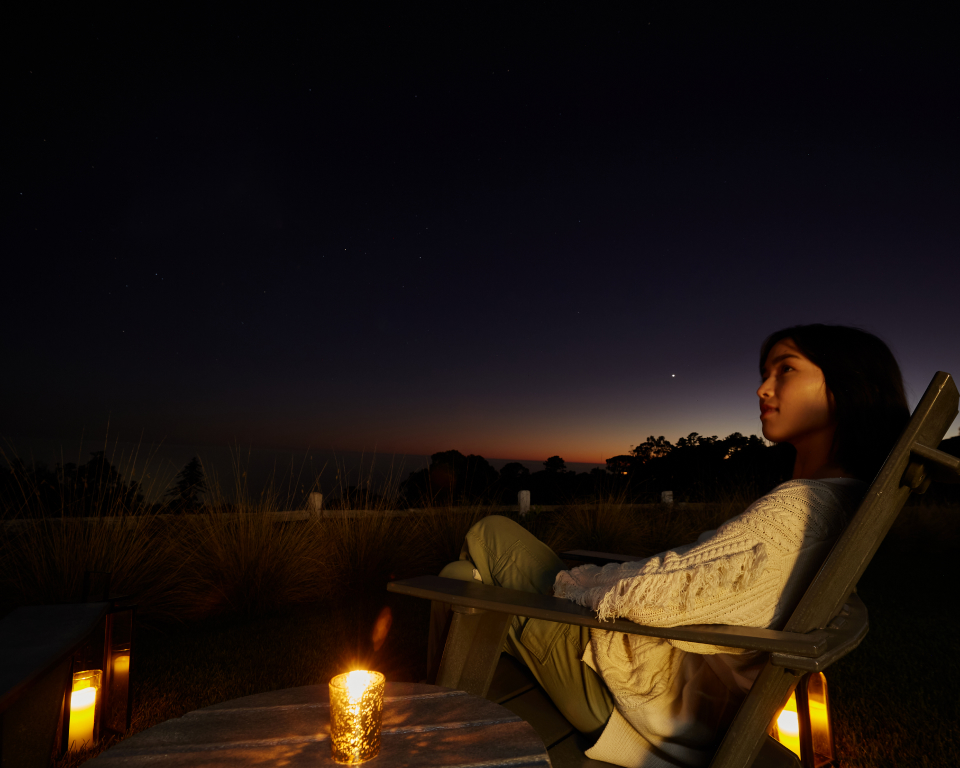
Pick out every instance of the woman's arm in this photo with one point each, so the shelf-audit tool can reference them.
(732, 574)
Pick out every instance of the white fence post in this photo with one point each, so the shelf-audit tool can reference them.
(666, 497)
(315, 503)
(523, 502)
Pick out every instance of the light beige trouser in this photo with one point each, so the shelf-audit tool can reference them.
(507, 555)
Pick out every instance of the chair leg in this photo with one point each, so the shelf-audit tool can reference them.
(472, 649)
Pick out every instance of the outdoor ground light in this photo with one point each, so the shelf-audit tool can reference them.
(356, 712)
(804, 724)
(84, 709)
(118, 657)
(100, 698)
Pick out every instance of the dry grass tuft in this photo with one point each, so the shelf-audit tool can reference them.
(441, 531)
(43, 561)
(611, 525)
(43, 558)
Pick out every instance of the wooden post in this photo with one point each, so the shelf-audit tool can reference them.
(666, 497)
(523, 502)
(315, 503)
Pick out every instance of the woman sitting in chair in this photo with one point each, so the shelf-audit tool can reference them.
(834, 393)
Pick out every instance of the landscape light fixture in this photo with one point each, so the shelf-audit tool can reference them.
(84, 709)
(118, 661)
(805, 725)
(100, 698)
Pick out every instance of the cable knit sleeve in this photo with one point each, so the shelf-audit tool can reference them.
(735, 574)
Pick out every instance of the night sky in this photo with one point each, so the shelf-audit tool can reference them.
(515, 230)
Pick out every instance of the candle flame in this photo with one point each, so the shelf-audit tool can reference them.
(788, 726)
(83, 697)
(788, 723)
(357, 682)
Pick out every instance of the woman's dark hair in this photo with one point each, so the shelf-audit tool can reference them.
(863, 375)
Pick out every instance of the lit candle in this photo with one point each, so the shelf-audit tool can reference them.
(788, 726)
(83, 708)
(121, 668)
(356, 710)
(818, 717)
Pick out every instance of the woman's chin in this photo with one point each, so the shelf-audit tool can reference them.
(773, 435)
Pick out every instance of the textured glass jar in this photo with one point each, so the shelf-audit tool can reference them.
(356, 712)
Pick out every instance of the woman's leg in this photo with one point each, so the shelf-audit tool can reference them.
(505, 554)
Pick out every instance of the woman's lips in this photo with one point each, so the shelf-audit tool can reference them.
(766, 409)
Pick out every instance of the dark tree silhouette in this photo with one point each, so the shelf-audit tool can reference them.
(555, 464)
(189, 486)
(90, 490)
(621, 465)
(514, 472)
(451, 478)
(652, 448)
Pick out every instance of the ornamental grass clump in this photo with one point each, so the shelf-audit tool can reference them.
(610, 524)
(442, 530)
(368, 541)
(240, 556)
(46, 547)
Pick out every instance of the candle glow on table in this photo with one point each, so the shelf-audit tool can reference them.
(83, 709)
(356, 710)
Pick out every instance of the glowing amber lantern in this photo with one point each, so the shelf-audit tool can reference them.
(99, 700)
(356, 711)
(804, 725)
(84, 708)
(118, 660)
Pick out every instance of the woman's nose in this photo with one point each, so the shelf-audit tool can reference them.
(765, 389)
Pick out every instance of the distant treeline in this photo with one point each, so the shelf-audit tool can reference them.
(86, 490)
(697, 469)
(90, 490)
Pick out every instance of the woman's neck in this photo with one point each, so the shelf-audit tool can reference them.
(816, 459)
(820, 473)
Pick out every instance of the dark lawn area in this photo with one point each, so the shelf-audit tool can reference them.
(895, 698)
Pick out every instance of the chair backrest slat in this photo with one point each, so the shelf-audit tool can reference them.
(883, 501)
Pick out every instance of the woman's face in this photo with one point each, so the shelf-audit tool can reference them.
(795, 403)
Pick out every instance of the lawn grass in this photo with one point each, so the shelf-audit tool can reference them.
(895, 698)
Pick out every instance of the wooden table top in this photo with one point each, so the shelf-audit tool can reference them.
(423, 725)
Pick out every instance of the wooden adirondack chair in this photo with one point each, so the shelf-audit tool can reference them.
(829, 622)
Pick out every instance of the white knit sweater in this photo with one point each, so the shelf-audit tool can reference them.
(674, 699)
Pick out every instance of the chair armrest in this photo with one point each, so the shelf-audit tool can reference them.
(941, 466)
(796, 651)
(597, 558)
(844, 633)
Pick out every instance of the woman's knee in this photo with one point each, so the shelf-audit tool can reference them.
(506, 554)
(495, 527)
(459, 569)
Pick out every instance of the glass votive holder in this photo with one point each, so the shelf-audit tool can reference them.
(83, 709)
(356, 714)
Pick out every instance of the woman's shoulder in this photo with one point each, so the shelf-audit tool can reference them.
(842, 491)
(801, 509)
